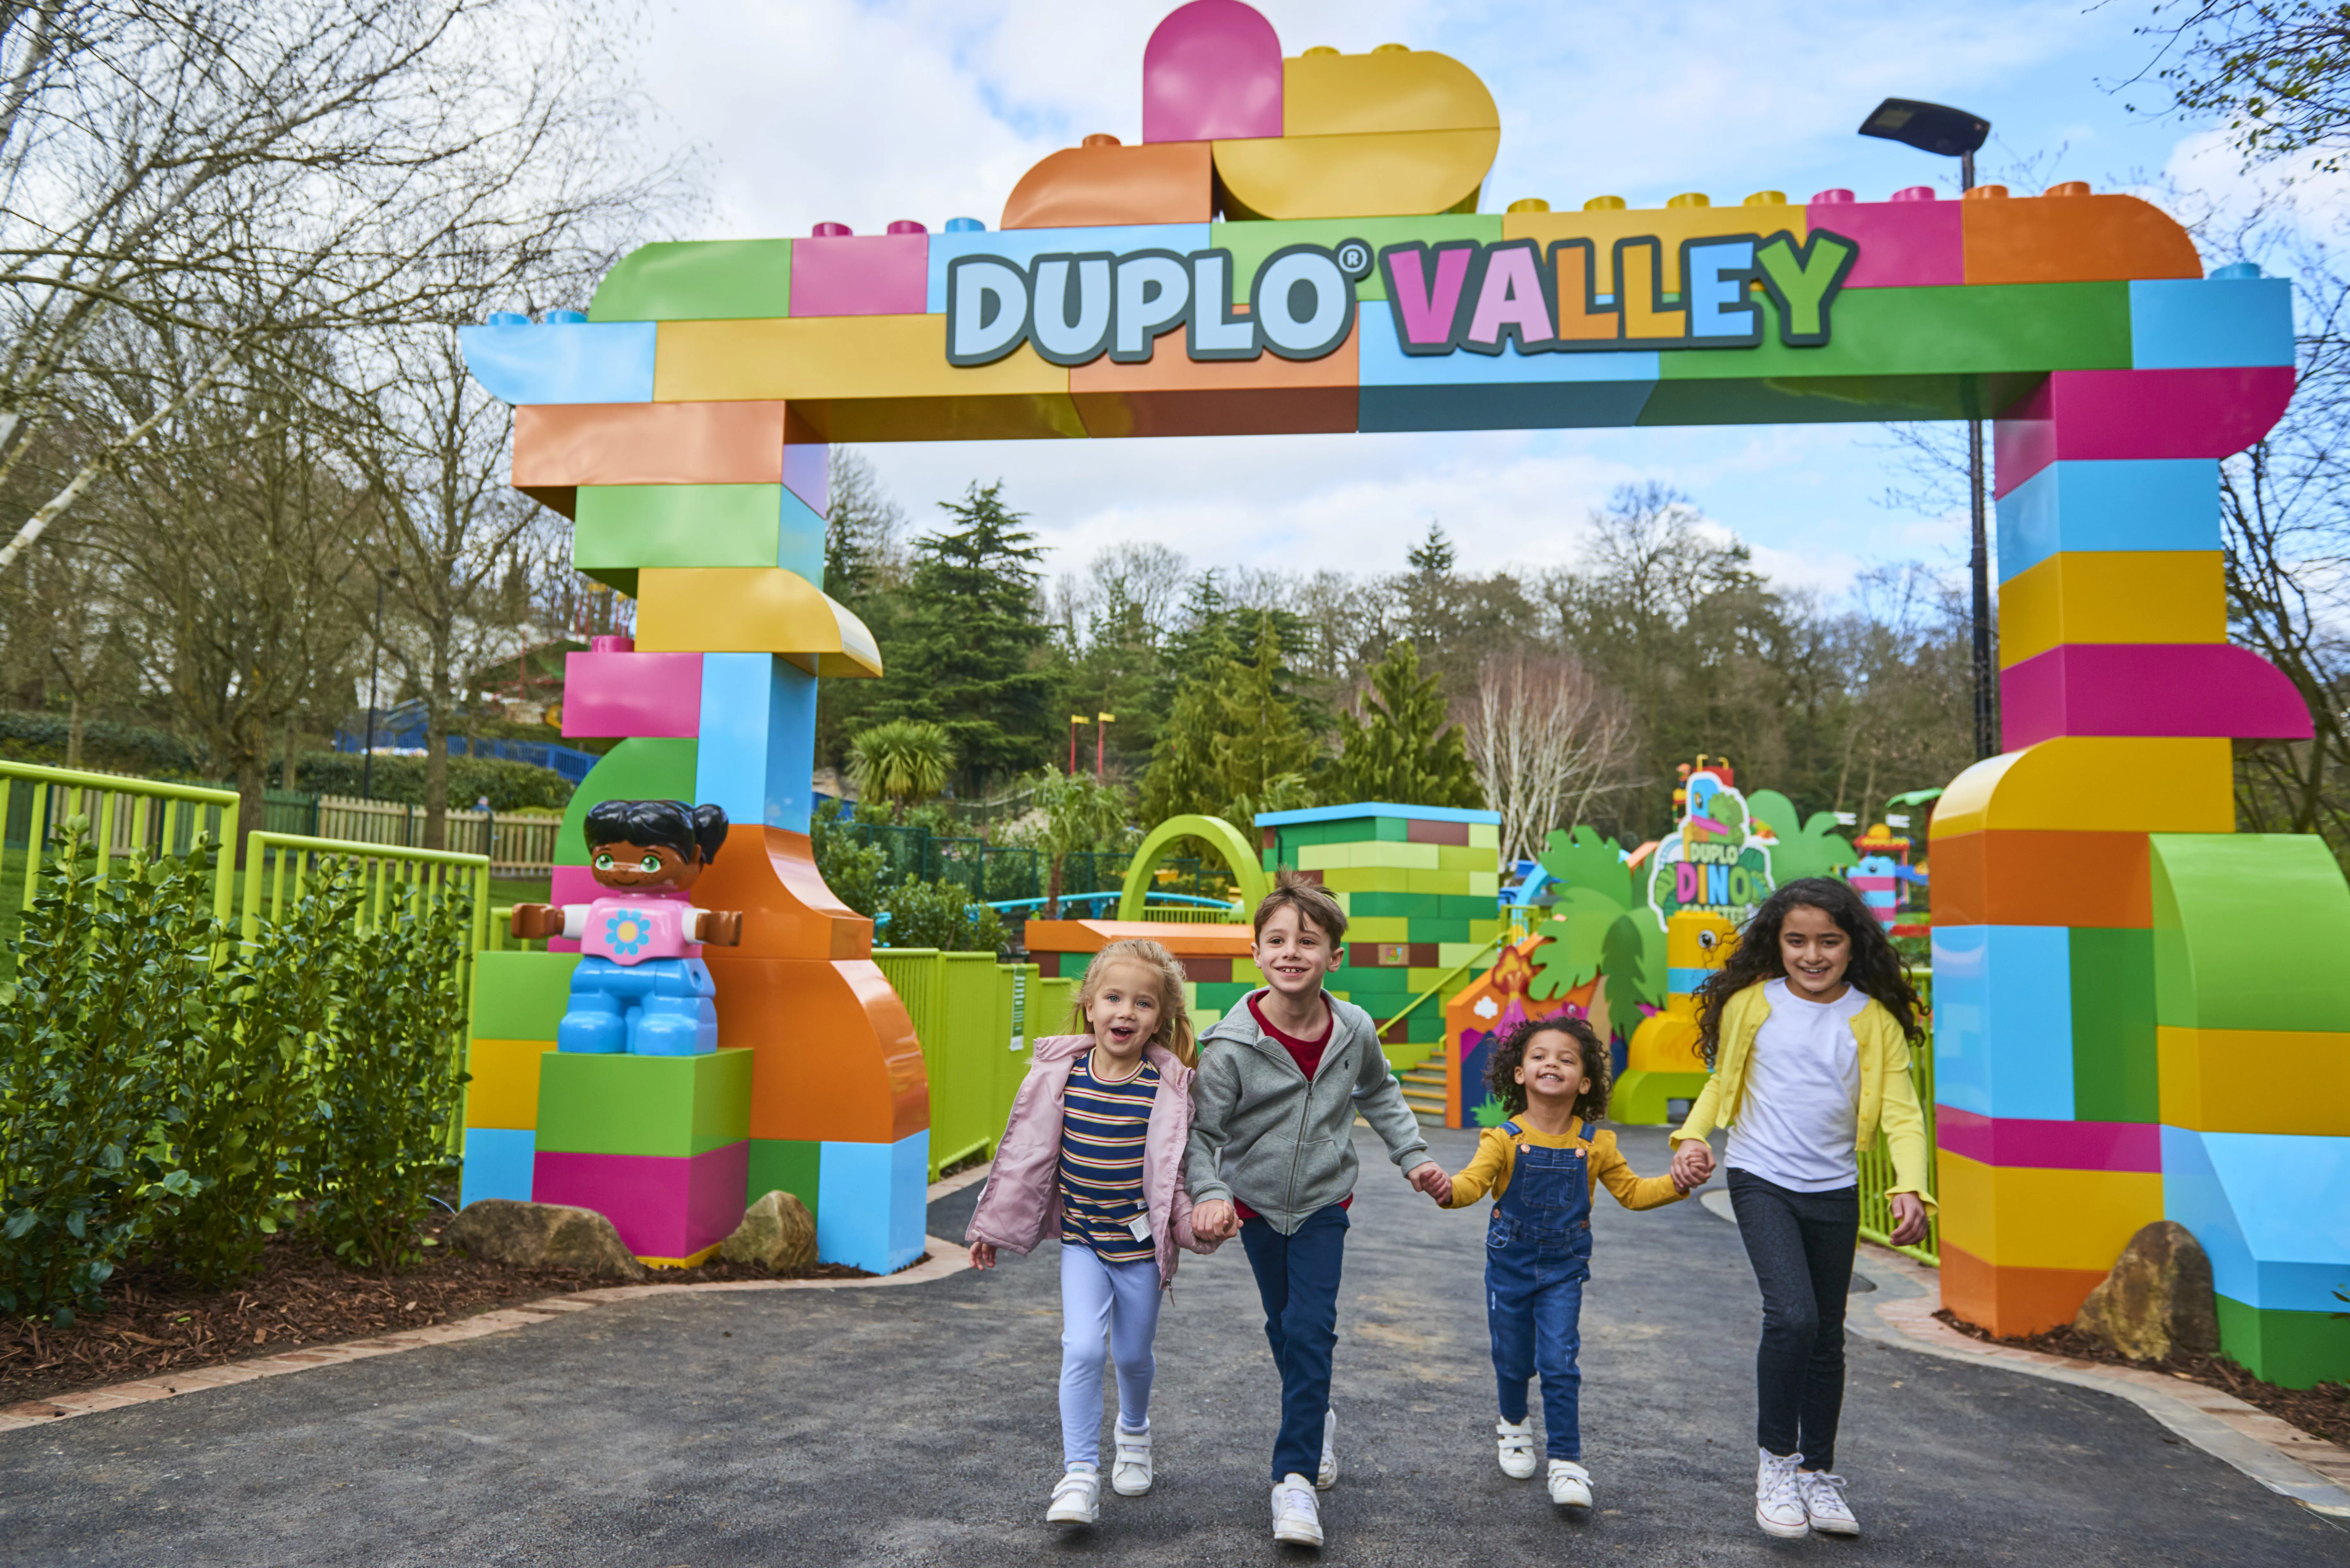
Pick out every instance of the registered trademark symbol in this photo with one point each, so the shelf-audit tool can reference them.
(1354, 257)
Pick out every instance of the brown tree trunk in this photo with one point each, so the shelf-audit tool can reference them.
(287, 777)
(251, 761)
(436, 752)
(73, 729)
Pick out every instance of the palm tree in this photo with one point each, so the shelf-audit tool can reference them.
(904, 761)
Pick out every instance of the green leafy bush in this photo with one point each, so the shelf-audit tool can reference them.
(939, 915)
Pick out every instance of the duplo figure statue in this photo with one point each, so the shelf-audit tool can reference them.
(641, 987)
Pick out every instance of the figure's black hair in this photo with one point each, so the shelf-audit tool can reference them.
(1874, 970)
(693, 831)
(1510, 1052)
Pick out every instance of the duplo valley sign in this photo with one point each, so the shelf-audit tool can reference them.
(1459, 295)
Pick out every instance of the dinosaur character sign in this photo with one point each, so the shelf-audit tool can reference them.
(1716, 861)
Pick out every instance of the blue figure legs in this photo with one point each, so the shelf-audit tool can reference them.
(661, 1007)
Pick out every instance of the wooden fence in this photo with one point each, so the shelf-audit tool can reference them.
(518, 845)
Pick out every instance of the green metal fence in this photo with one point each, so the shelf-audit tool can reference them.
(989, 871)
(978, 1021)
(1876, 1164)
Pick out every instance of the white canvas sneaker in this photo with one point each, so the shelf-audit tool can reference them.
(1570, 1484)
(1295, 1520)
(1515, 1441)
(1328, 1476)
(1076, 1497)
(1778, 1498)
(1130, 1476)
(1824, 1503)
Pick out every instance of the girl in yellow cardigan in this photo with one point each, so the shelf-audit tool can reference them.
(1807, 1031)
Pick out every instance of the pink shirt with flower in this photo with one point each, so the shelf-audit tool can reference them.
(650, 924)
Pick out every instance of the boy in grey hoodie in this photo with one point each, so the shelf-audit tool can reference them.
(1281, 1079)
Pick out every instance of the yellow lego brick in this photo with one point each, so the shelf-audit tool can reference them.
(1203, 1021)
(1324, 857)
(1355, 878)
(504, 1090)
(2230, 1080)
(1452, 882)
(1466, 857)
(1374, 929)
(2175, 784)
(1396, 857)
(1485, 836)
(1340, 894)
(1486, 930)
(1247, 973)
(2030, 1218)
(1421, 980)
(2112, 596)
(1485, 884)
(1450, 954)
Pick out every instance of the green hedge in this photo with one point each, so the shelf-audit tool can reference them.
(30, 737)
(164, 1089)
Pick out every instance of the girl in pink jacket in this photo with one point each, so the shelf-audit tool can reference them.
(1093, 1155)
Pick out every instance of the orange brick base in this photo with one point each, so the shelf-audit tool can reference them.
(2011, 1301)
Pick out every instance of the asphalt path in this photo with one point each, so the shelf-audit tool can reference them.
(918, 1426)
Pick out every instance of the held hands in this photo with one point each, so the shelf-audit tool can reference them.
(1692, 1165)
(1430, 1178)
(983, 1254)
(1909, 1220)
(1215, 1220)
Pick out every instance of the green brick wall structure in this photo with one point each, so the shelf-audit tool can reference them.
(621, 1104)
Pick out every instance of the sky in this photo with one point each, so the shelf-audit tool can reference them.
(831, 110)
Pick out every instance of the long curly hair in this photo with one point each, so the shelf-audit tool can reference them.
(1510, 1052)
(1874, 970)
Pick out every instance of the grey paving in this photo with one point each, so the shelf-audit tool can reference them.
(918, 1426)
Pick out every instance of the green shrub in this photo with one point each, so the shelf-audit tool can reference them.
(510, 785)
(939, 915)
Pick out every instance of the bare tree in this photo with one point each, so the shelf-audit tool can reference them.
(1545, 738)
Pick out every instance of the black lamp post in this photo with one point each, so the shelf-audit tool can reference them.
(1954, 133)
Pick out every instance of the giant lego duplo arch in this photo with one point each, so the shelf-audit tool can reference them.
(1297, 245)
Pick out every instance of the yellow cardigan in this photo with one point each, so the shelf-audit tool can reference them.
(1888, 1098)
(1497, 1154)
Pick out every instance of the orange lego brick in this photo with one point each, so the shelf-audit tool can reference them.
(2042, 878)
(2073, 239)
(834, 1057)
(770, 875)
(2011, 1301)
(1103, 184)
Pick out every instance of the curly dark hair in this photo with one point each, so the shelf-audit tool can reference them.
(1510, 1052)
(1874, 970)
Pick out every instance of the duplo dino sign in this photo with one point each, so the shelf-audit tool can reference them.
(1073, 306)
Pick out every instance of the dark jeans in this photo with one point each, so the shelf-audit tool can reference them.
(1801, 1244)
(1297, 1279)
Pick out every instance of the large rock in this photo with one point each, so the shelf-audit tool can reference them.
(543, 1236)
(778, 1231)
(2157, 1299)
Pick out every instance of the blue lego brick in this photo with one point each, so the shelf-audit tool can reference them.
(799, 543)
(2272, 1210)
(1509, 391)
(758, 739)
(498, 1164)
(2190, 324)
(873, 1199)
(1385, 364)
(1018, 246)
(569, 362)
(2003, 1020)
(2139, 503)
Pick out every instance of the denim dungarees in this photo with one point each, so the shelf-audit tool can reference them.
(1537, 1257)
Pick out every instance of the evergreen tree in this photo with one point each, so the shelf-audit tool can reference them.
(970, 641)
(1432, 556)
(1403, 750)
(1237, 741)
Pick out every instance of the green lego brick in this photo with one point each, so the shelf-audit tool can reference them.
(1485, 836)
(1391, 829)
(1370, 981)
(783, 1165)
(2114, 1077)
(521, 995)
(1387, 855)
(1452, 930)
(1984, 328)
(631, 525)
(700, 280)
(638, 769)
(673, 1106)
(1220, 995)
(2291, 1349)
(1299, 834)
(1396, 902)
(1486, 930)
(1467, 907)
(1253, 242)
(2242, 923)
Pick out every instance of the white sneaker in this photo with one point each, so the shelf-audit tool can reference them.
(1778, 1497)
(1824, 1503)
(1328, 1476)
(1517, 1448)
(1570, 1484)
(1130, 1476)
(1076, 1497)
(1295, 1520)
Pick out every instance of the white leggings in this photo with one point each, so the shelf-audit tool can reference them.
(1118, 1299)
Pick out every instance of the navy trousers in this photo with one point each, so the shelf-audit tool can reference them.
(1297, 1280)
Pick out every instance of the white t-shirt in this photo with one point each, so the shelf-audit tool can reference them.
(1799, 1115)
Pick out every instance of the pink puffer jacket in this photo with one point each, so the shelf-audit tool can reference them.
(1021, 1206)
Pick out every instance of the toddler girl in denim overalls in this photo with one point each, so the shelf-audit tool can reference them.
(1550, 1076)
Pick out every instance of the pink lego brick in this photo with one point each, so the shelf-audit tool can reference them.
(629, 694)
(1903, 244)
(1212, 71)
(861, 274)
(2046, 1145)
(574, 885)
(664, 1206)
(2205, 413)
(2149, 688)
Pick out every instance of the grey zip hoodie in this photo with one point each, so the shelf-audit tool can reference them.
(1285, 1146)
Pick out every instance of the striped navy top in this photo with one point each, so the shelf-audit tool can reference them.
(1102, 1129)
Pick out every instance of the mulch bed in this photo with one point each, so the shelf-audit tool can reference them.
(2321, 1412)
(159, 1321)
